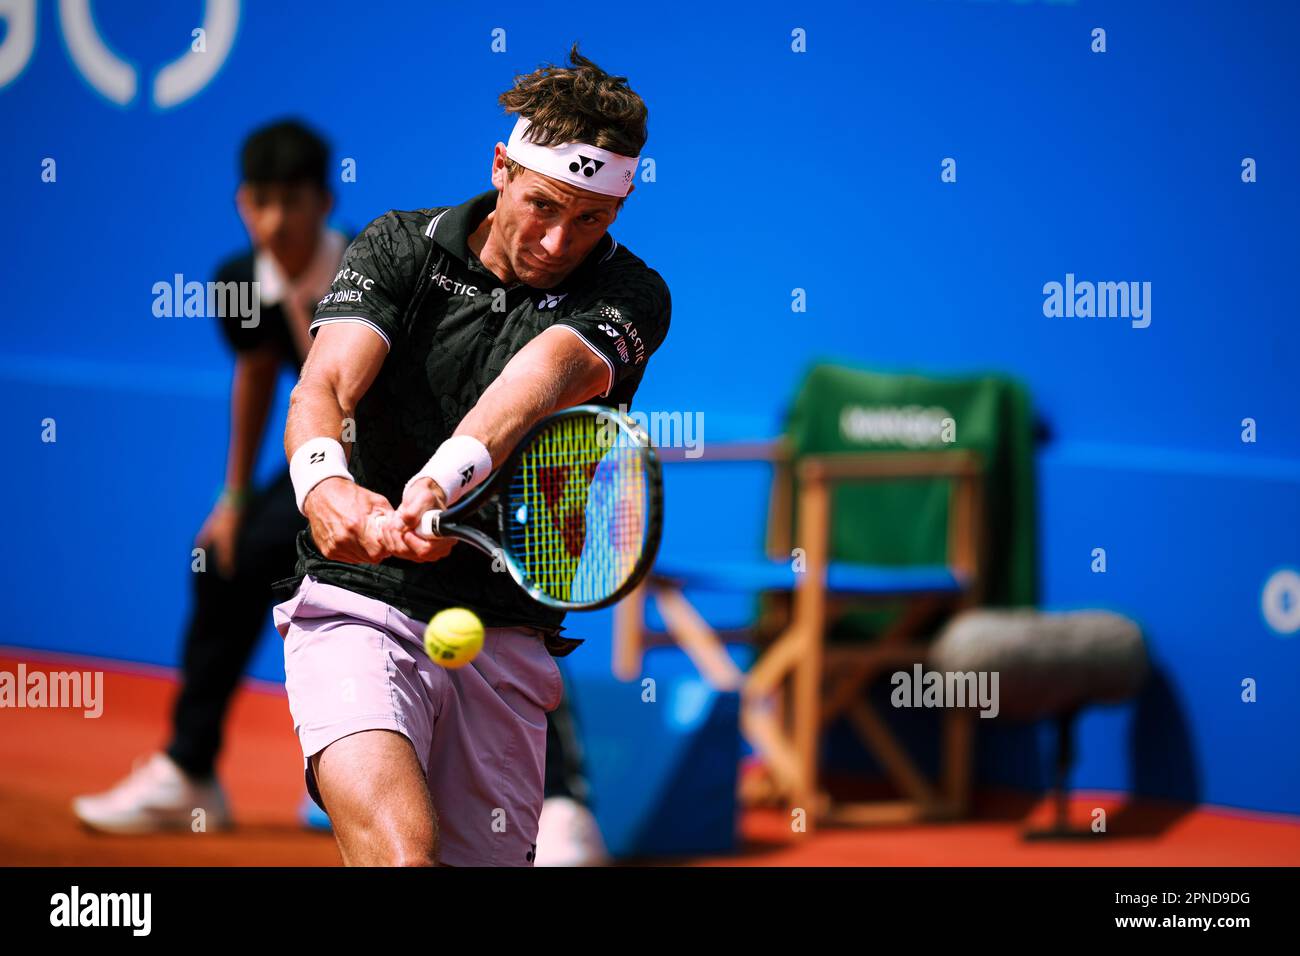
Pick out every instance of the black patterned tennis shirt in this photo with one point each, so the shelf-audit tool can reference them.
(451, 326)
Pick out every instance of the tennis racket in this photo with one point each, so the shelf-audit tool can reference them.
(579, 511)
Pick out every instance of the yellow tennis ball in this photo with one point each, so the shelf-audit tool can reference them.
(454, 637)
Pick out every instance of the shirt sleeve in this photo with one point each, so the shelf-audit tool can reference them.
(374, 282)
(624, 323)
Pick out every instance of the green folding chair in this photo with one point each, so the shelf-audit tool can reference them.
(897, 499)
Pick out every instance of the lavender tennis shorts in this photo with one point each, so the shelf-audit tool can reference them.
(354, 663)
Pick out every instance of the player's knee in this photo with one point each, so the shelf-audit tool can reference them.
(384, 840)
(376, 795)
(412, 857)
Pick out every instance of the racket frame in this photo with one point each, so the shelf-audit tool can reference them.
(443, 523)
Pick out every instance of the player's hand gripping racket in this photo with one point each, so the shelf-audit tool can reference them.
(580, 509)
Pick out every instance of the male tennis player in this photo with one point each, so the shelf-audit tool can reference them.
(446, 335)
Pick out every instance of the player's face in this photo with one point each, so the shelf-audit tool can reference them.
(285, 219)
(547, 227)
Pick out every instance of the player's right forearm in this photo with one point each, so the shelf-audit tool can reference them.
(340, 367)
(342, 363)
(315, 411)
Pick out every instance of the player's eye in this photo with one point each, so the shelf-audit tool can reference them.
(539, 204)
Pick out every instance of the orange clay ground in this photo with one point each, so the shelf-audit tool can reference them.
(49, 755)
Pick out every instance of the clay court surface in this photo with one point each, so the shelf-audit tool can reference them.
(49, 755)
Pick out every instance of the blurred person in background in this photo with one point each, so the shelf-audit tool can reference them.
(284, 201)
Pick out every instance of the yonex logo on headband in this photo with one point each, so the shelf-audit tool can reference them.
(586, 165)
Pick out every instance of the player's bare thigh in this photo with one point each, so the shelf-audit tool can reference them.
(378, 800)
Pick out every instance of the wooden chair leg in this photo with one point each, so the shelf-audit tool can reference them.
(629, 634)
(807, 723)
(698, 640)
(773, 746)
(810, 628)
(958, 760)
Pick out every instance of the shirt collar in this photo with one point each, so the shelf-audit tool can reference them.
(452, 228)
(273, 285)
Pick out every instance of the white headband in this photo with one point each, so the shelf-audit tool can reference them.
(587, 167)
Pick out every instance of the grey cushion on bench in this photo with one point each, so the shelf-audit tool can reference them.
(1048, 663)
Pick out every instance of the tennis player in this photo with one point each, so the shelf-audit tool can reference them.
(448, 333)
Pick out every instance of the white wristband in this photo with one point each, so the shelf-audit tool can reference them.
(315, 460)
(460, 464)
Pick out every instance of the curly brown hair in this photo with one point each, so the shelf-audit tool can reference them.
(582, 104)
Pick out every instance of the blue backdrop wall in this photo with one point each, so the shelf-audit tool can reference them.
(774, 170)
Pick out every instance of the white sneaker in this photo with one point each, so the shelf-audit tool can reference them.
(156, 796)
(567, 835)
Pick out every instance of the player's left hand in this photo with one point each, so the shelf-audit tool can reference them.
(398, 531)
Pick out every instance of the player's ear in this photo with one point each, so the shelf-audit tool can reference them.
(500, 175)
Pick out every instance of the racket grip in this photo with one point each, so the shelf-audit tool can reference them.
(429, 524)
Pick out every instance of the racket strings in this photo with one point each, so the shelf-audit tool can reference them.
(578, 510)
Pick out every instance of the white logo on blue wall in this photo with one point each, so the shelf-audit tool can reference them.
(107, 73)
(1280, 601)
(19, 18)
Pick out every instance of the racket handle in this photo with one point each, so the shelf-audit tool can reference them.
(429, 524)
